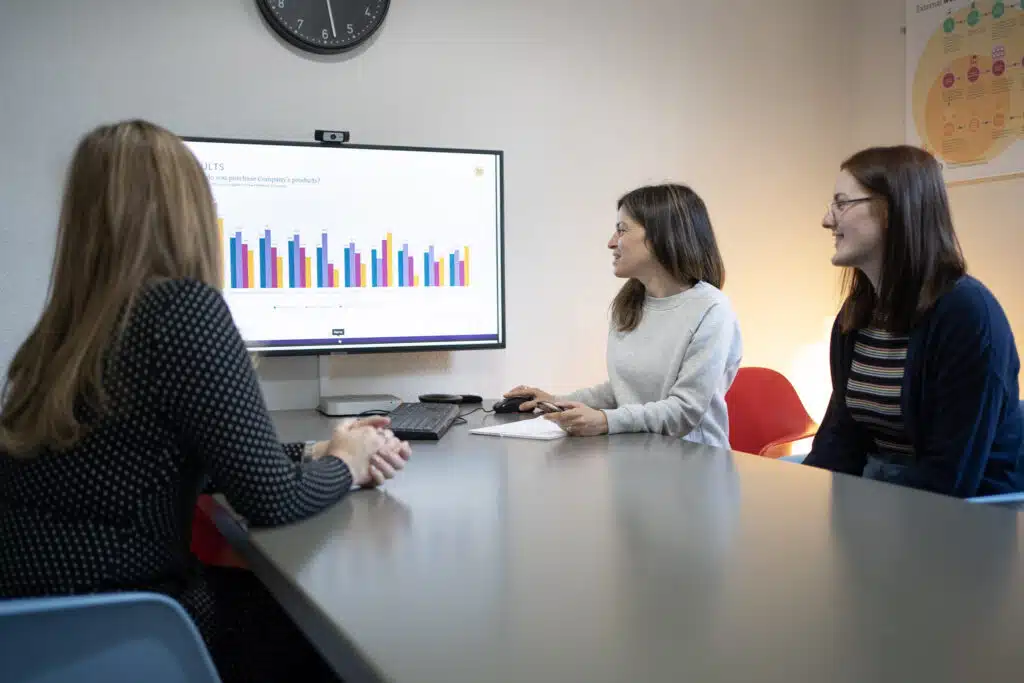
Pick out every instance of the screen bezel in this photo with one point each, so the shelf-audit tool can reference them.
(397, 348)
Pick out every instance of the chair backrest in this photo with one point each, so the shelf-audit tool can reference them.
(113, 638)
(763, 408)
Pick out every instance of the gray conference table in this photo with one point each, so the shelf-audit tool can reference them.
(644, 558)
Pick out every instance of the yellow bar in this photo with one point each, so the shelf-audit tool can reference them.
(337, 281)
(362, 274)
(440, 273)
(309, 272)
(391, 264)
(465, 257)
(415, 280)
(280, 272)
(252, 269)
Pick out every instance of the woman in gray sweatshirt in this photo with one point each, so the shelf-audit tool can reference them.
(674, 342)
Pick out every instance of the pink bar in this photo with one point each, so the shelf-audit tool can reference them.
(358, 269)
(273, 267)
(409, 280)
(462, 273)
(330, 274)
(302, 267)
(437, 274)
(245, 265)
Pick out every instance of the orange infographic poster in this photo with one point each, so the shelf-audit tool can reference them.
(965, 85)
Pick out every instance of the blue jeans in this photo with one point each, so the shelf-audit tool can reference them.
(878, 468)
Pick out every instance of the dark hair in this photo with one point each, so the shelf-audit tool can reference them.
(921, 258)
(678, 230)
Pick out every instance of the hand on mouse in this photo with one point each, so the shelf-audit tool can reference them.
(578, 419)
(532, 393)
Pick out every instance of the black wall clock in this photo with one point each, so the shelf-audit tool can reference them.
(324, 26)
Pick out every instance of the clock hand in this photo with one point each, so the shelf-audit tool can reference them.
(330, 13)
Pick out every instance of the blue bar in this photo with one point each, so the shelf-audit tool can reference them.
(268, 263)
(319, 267)
(238, 261)
(426, 270)
(374, 265)
(348, 267)
(291, 263)
(401, 269)
(451, 269)
(325, 281)
(234, 261)
(263, 262)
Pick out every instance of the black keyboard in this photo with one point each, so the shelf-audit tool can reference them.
(422, 421)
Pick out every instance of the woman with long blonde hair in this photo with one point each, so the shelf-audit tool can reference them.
(134, 391)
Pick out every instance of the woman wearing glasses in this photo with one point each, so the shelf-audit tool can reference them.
(924, 364)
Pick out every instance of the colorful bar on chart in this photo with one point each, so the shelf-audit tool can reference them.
(233, 262)
(243, 276)
(389, 279)
(291, 262)
(262, 264)
(324, 263)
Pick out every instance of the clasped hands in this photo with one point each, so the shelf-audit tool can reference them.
(372, 452)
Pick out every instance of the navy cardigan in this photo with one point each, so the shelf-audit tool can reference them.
(960, 401)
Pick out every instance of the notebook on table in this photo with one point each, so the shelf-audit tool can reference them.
(537, 428)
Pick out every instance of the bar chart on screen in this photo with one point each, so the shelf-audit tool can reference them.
(361, 247)
(266, 261)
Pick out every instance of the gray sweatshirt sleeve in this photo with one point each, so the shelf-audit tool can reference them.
(600, 396)
(700, 377)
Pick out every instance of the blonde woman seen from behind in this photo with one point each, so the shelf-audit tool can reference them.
(134, 391)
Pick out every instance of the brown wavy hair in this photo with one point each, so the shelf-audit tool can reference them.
(678, 229)
(922, 258)
(137, 209)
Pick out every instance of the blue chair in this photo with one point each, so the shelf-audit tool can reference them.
(108, 638)
(998, 499)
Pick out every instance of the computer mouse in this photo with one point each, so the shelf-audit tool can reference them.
(510, 405)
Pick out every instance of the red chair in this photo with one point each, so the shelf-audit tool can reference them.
(207, 542)
(765, 413)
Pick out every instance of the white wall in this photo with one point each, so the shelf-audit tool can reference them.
(989, 215)
(588, 98)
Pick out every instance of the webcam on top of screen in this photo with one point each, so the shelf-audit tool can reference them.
(332, 137)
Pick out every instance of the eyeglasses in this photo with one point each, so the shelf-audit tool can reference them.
(839, 206)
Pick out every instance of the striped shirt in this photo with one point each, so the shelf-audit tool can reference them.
(874, 388)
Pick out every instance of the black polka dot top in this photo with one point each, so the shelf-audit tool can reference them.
(184, 410)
